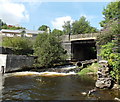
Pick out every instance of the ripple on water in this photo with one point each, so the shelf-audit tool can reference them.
(34, 86)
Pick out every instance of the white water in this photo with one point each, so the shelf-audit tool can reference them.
(30, 73)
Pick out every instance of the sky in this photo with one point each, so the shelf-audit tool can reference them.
(32, 14)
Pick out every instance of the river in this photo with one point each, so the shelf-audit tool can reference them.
(51, 86)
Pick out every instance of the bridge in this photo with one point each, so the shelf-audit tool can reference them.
(81, 46)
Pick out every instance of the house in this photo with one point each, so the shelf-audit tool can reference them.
(10, 33)
(32, 33)
(19, 33)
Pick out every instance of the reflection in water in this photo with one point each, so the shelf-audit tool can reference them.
(36, 87)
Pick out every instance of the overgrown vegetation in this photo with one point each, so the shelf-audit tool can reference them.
(48, 49)
(109, 40)
(91, 69)
(19, 45)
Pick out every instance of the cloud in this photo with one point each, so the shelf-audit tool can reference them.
(59, 22)
(88, 17)
(13, 13)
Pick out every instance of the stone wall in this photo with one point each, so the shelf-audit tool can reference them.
(67, 48)
(15, 62)
(104, 79)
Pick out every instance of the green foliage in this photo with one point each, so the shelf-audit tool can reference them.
(112, 11)
(5, 26)
(44, 28)
(2, 24)
(82, 26)
(109, 39)
(91, 68)
(48, 49)
(108, 53)
(17, 44)
(84, 71)
(67, 27)
(11, 27)
(111, 29)
(57, 32)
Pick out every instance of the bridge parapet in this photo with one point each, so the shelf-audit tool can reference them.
(79, 37)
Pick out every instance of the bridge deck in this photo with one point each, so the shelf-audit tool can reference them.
(90, 36)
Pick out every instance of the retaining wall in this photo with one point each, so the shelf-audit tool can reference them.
(15, 62)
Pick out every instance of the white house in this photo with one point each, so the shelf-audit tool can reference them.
(32, 33)
(10, 33)
(19, 33)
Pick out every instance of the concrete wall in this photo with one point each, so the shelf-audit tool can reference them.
(15, 62)
(3, 59)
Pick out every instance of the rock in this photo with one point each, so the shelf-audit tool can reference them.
(91, 91)
(103, 62)
(103, 83)
(104, 79)
(83, 93)
(116, 99)
(116, 86)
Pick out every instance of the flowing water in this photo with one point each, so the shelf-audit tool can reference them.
(51, 86)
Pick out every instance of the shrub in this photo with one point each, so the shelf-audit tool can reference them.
(48, 49)
(18, 44)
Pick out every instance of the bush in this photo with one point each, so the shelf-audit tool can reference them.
(18, 44)
(109, 41)
(48, 49)
(108, 53)
(91, 68)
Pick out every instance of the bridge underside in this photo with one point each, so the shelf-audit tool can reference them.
(83, 50)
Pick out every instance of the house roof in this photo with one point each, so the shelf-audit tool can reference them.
(33, 32)
(20, 31)
(10, 31)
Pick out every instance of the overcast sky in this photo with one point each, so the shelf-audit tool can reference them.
(33, 13)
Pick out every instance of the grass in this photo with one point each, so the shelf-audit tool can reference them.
(91, 69)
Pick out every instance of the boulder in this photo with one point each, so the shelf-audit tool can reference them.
(104, 79)
(103, 83)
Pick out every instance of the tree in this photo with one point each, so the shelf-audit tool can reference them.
(11, 27)
(67, 27)
(45, 28)
(82, 26)
(57, 32)
(48, 49)
(113, 57)
(112, 11)
(107, 34)
(2, 24)
(109, 41)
